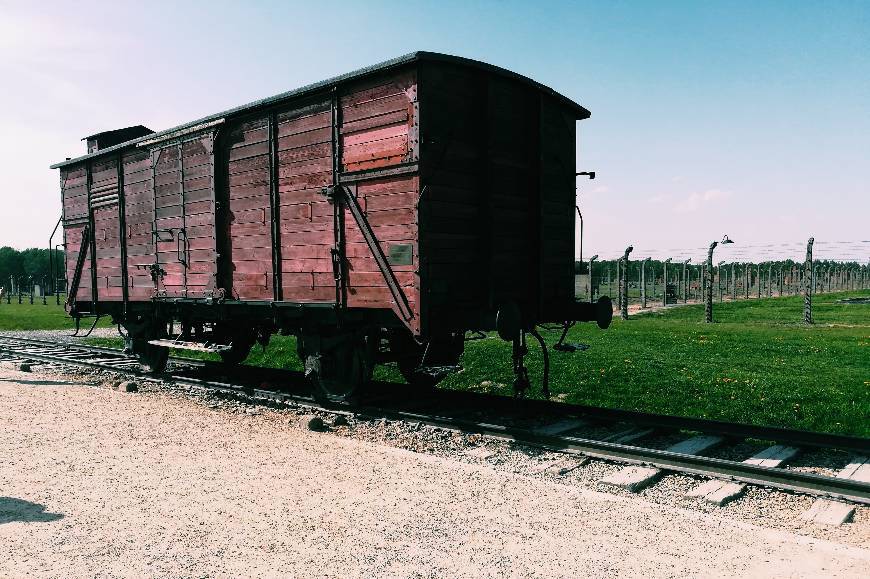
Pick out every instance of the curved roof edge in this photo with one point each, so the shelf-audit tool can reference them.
(580, 111)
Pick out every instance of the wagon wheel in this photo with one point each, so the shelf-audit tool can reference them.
(151, 358)
(337, 367)
(240, 348)
(413, 358)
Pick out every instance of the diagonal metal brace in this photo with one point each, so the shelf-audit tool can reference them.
(343, 193)
(80, 264)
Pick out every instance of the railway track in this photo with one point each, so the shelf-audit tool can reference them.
(649, 445)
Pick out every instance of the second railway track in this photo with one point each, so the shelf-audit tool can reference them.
(632, 438)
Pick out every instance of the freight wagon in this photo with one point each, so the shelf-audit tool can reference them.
(377, 216)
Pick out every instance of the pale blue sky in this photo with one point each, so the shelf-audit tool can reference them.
(745, 118)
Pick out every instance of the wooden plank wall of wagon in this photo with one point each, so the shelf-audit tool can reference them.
(306, 218)
(74, 193)
(558, 158)
(184, 217)
(199, 216)
(72, 236)
(389, 205)
(512, 181)
(479, 187)
(168, 218)
(74, 188)
(139, 220)
(250, 235)
(454, 206)
(379, 124)
(107, 230)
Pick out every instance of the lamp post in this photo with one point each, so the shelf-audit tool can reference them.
(708, 307)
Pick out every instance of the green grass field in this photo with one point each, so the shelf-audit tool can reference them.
(757, 364)
(34, 317)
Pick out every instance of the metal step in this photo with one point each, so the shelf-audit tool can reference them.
(195, 346)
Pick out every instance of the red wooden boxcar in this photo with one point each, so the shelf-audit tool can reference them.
(378, 215)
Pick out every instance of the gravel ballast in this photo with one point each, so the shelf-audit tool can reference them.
(98, 482)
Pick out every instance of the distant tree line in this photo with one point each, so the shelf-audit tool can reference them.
(28, 266)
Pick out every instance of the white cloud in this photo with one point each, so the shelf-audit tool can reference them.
(696, 201)
(597, 190)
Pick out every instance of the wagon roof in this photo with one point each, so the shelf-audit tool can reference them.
(581, 112)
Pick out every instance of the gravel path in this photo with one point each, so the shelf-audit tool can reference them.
(61, 335)
(94, 482)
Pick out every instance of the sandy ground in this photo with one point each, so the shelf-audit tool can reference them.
(95, 482)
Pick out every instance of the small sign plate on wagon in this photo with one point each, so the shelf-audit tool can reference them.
(401, 254)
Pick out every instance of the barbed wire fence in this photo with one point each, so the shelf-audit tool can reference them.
(643, 278)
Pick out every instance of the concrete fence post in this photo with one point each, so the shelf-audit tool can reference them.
(665, 281)
(748, 279)
(623, 304)
(770, 280)
(758, 279)
(592, 279)
(733, 283)
(643, 283)
(708, 284)
(808, 286)
(686, 280)
(618, 283)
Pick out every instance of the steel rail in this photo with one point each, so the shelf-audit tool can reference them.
(728, 429)
(778, 478)
(84, 349)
